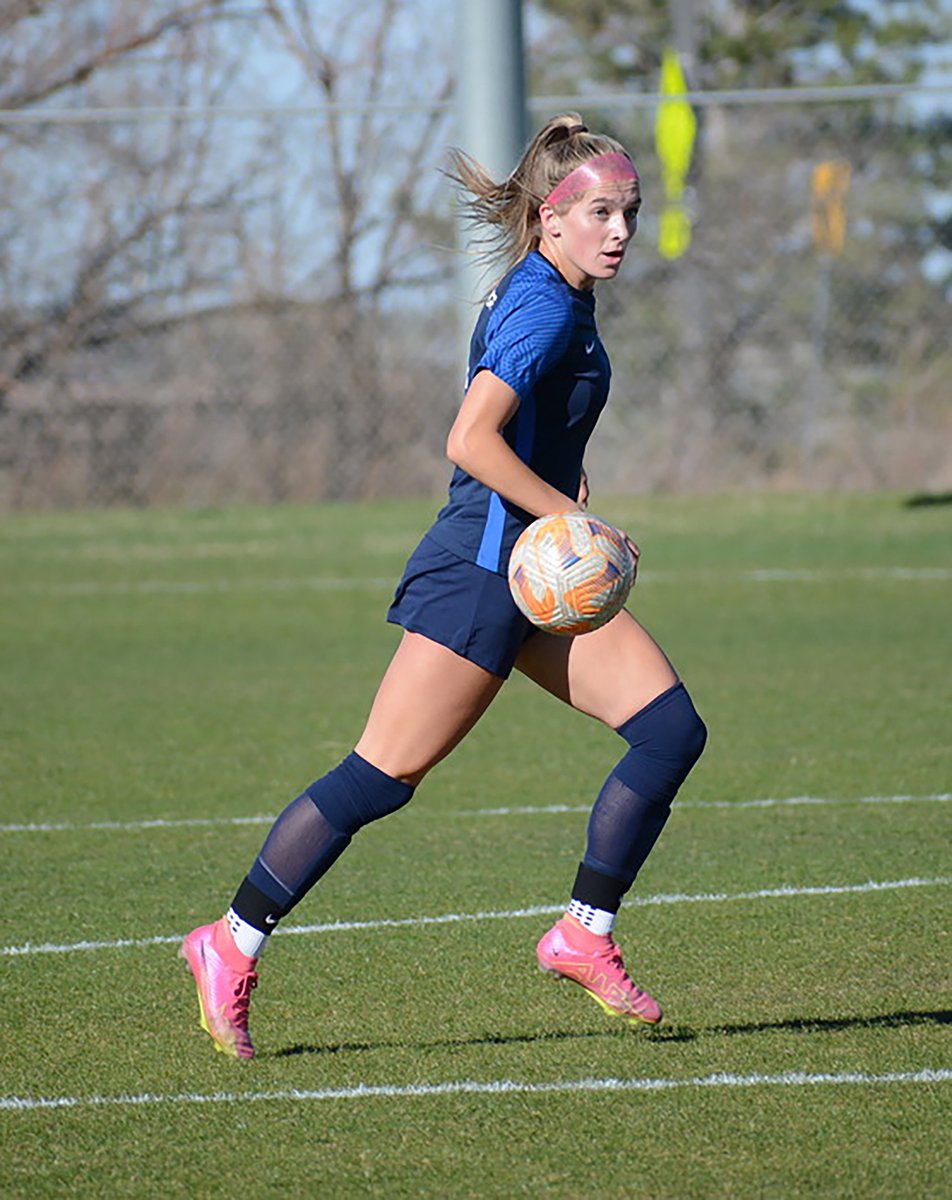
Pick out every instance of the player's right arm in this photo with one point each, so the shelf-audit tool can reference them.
(476, 445)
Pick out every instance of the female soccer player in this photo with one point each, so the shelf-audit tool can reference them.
(538, 379)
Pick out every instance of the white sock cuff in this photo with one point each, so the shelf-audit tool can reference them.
(598, 920)
(250, 941)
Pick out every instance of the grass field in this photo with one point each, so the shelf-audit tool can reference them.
(169, 677)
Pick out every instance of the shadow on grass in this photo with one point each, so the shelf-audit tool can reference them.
(928, 499)
(897, 1020)
(672, 1033)
(518, 1039)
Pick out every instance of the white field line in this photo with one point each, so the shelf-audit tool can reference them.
(491, 1087)
(172, 587)
(807, 575)
(132, 826)
(145, 587)
(541, 810)
(541, 910)
(788, 801)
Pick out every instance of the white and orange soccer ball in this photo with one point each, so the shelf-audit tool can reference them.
(570, 572)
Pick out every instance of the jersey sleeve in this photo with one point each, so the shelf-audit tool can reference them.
(526, 338)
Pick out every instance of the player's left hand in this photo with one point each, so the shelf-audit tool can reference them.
(633, 551)
(583, 493)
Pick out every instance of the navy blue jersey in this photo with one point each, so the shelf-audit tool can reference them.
(537, 334)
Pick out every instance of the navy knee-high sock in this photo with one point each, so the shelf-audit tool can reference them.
(311, 834)
(665, 740)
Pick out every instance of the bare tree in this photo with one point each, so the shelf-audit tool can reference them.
(373, 190)
(52, 47)
(107, 227)
(285, 245)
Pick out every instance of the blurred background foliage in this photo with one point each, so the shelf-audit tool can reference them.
(226, 264)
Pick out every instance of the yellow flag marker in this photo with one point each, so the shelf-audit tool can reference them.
(831, 185)
(675, 131)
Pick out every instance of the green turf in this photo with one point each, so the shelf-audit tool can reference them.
(209, 664)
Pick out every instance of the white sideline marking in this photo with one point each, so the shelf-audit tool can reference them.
(145, 587)
(771, 802)
(492, 1087)
(127, 826)
(541, 910)
(199, 587)
(546, 809)
(806, 575)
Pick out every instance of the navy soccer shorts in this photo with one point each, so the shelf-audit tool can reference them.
(462, 606)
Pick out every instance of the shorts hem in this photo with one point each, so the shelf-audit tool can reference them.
(495, 669)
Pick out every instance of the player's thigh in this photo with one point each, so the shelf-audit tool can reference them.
(609, 673)
(428, 700)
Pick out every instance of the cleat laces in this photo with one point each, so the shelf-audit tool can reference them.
(243, 988)
(614, 959)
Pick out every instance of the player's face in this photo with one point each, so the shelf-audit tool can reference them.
(588, 241)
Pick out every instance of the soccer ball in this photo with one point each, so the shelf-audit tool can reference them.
(570, 573)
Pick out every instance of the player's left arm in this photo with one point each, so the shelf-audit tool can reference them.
(477, 445)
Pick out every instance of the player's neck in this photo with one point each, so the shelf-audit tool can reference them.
(572, 274)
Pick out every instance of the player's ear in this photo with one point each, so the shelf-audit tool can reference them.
(549, 220)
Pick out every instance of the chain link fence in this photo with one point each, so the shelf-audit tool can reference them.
(199, 311)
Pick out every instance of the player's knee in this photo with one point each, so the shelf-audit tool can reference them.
(688, 733)
(356, 793)
(666, 739)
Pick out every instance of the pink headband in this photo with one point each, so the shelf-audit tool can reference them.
(604, 168)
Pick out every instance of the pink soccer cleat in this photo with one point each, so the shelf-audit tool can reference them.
(594, 961)
(225, 979)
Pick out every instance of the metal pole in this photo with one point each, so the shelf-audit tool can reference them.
(684, 29)
(491, 108)
(491, 92)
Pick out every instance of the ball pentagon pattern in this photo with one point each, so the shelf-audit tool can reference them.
(570, 573)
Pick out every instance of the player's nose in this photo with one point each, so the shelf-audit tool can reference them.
(619, 227)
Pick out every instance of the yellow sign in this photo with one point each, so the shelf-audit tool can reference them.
(831, 185)
(674, 231)
(675, 131)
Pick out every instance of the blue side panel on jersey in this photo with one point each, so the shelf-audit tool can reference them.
(488, 555)
(495, 526)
